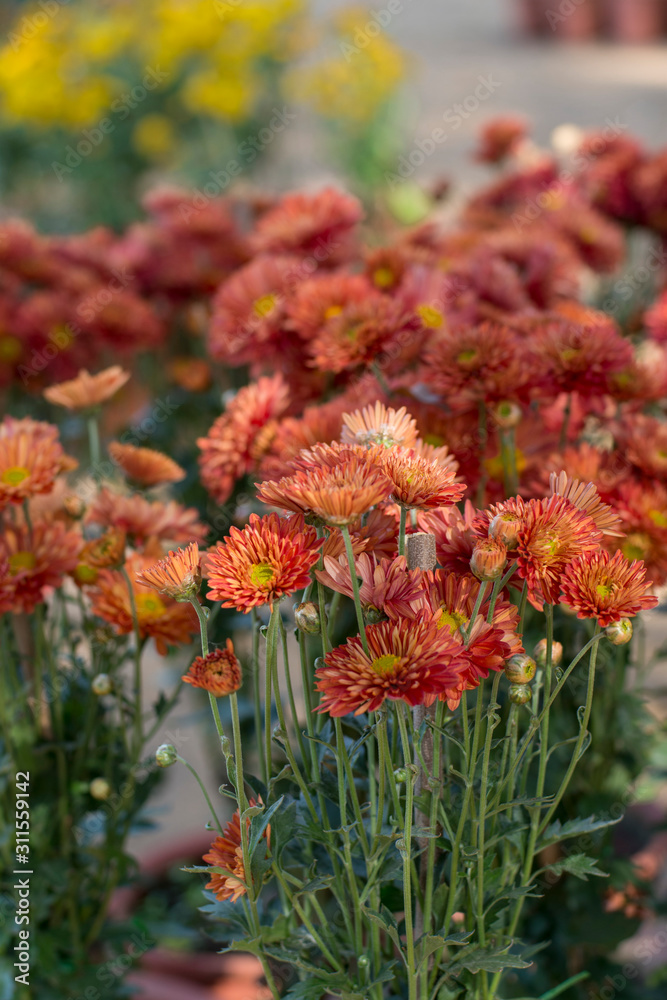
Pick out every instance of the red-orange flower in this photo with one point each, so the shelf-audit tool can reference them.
(644, 442)
(161, 618)
(416, 482)
(408, 660)
(553, 533)
(358, 334)
(582, 357)
(597, 585)
(337, 495)
(219, 672)
(36, 560)
(86, 390)
(227, 852)
(269, 559)
(144, 465)
(105, 552)
(320, 223)
(241, 435)
(31, 457)
(386, 584)
(178, 575)
(143, 519)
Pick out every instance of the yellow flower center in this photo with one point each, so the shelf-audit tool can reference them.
(262, 575)
(383, 277)
(453, 620)
(332, 311)
(433, 439)
(264, 305)
(465, 357)
(85, 574)
(383, 665)
(149, 604)
(430, 316)
(65, 337)
(569, 353)
(635, 547)
(605, 589)
(15, 475)
(21, 560)
(658, 518)
(10, 348)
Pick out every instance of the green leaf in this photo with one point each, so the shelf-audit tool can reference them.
(579, 865)
(385, 919)
(488, 960)
(557, 831)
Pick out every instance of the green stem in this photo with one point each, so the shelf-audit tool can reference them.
(191, 769)
(94, 441)
(475, 611)
(333, 962)
(401, 531)
(256, 694)
(290, 694)
(355, 589)
(138, 734)
(407, 854)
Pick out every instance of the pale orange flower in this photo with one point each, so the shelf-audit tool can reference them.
(179, 575)
(416, 482)
(161, 618)
(143, 519)
(105, 552)
(597, 585)
(375, 424)
(586, 497)
(86, 390)
(386, 587)
(144, 465)
(31, 458)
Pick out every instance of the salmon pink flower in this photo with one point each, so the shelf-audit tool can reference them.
(597, 585)
(219, 672)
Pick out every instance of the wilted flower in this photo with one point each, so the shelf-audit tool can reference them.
(219, 672)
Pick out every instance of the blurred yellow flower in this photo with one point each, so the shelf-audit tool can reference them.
(154, 136)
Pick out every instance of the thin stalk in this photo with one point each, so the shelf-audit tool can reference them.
(355, 588)
(256, 696)
(407, 855)
(333, 962)
(290, 693)
(566, 420)
(508, 455)
(482, 435)
(138, 728)
(401, 531)
(475, 611)
(191, 769)
(94, 441)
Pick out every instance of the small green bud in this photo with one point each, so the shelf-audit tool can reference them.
(401, 774)
(101, 684)
(100, 789)
(520, 669)
(520, 694)
(619, 632)
(166, 755)
(307, 617)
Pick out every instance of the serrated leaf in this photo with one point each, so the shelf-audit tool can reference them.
(557, 831)
(579, 865)
(489, 960)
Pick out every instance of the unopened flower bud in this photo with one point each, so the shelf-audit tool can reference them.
(507, 415)
(166, 755)
(488, 559)
(505, 528)
(619, 632)
(100, 789)
(520, 694)
(372, 615)
(520, 669)
(74, 506)
(401, 774)
(307, 617)
(540, 653)
(363, 962)
(101, 684)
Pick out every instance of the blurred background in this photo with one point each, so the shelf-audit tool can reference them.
(99, 101)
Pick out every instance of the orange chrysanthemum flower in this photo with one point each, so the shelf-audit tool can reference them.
(586, 497)
(227, 852)
(408, 660)
(597, 585)
(31, 457)
(144, 465)
(303, 223)
(322, 297)
(337, 495)
(86, 390)
(219, 672)
(269, 559)
(240, 436)
(644, 442)
(36, 560)
(160, 618)
(416, 482)
(386, 587)
(361, 331)
(143, 519)
(377, 425)
(105, 552)
(582, 357)
(178, 576)
(553, 533)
